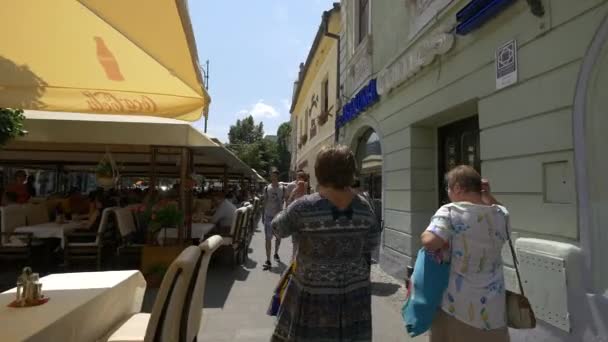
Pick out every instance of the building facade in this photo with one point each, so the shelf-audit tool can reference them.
(313, 109)
(513, 89)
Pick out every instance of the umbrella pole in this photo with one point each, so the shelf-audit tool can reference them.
(152, 186)
(183, 196)
(225, 185)
(189, 196)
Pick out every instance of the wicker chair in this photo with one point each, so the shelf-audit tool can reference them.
(89, 245)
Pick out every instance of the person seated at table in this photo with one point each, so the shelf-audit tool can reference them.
(19, 187)
(95, 209)
(30, 184)
(79, 205)
(224, 213)
(244, 197)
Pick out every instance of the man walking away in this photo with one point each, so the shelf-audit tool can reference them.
(274, 200)
(295, 190)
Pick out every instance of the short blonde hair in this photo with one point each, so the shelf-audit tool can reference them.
(466, 177)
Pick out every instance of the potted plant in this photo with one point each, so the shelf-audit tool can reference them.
(164, 214)
(156, 259)
(104, 173)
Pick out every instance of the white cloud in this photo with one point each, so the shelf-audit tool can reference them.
(260, 110)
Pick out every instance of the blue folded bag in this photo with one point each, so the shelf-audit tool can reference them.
(427, 285)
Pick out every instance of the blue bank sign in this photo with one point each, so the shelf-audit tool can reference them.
(359, 104)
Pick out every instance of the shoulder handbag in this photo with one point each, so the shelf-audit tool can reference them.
(279, 292)
(427, 284)
(519, 311)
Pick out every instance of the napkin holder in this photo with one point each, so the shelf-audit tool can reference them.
(29, 290)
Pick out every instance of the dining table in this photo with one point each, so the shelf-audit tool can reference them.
(199, 230)
(50, 230)
(82, 307)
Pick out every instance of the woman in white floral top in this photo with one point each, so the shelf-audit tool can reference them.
(473, 228)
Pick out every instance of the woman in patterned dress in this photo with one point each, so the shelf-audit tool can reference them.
(473, 307)
(329, 295)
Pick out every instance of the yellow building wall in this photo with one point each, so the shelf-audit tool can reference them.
(322, 68)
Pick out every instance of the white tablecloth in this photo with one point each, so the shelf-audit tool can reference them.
(50, 230)
(199, 230)
(82, 307)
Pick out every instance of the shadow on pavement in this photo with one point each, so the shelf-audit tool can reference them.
(220, 279)
(384, 289)
(280, 269)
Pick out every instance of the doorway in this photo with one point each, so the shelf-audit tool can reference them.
(458, 144)
(369, 164)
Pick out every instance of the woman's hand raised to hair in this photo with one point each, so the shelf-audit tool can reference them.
(486, 194)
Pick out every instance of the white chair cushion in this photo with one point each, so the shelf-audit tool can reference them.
(134, 329)
(126, 222)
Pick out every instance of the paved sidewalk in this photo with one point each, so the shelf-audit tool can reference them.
(236, 301)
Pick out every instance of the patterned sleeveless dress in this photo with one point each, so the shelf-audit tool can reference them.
(329, 296)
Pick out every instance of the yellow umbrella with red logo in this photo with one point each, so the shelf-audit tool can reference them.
(135, 57)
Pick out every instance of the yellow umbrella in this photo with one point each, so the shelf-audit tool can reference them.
(133, 57)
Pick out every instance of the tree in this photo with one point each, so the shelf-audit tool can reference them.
(11, 124)
(246, 131)
(246, 140)
(283, 154)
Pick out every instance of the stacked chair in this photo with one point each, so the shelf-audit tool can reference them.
(177, 311)
(249, 230)
(257, 211)
(234, 240)
(243, 235)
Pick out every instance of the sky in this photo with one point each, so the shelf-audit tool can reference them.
(254, 48)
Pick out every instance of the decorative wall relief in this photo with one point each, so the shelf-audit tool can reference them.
(411, 62)
(422, 12)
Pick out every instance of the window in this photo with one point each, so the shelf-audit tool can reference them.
(363, 12)
(306, 120)
(325, 96)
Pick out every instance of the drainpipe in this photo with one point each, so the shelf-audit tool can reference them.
(337, 38)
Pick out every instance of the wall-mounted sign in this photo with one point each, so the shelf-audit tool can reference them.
(506, 65)
(412, 62)
(478, 12)
(359, 103)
